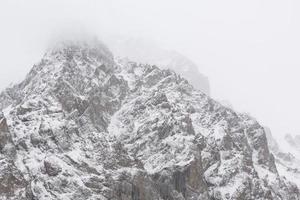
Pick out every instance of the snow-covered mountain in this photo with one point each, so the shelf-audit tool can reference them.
(149, 52)
(84, 125)
(287, 156)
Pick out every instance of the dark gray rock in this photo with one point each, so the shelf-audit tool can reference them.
(52, 168)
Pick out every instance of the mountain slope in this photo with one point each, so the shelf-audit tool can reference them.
(143, 51)
(83, 125)
(287, 156)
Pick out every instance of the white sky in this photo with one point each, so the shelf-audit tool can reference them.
(248, 49)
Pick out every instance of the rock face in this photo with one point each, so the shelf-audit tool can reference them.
(84, 125)
(12, 183)
(4, 135)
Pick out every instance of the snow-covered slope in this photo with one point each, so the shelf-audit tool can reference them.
(148, 52)
(287, 156)
(84, 125)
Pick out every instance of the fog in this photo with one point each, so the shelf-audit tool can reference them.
(248, 49)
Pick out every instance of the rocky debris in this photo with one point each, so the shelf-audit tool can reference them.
(88, 126)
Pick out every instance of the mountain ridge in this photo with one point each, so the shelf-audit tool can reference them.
(149, 52)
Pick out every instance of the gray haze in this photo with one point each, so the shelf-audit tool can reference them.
(248, 49)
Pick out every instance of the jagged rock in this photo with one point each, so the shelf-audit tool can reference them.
(12, 183)
(22, 110)
(6, 145)
(4, 136)
(52, 168)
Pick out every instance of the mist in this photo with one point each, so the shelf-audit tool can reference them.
(248, 49)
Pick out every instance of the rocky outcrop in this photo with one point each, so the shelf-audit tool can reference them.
(4, 136)
(52, 168)
(6, 144)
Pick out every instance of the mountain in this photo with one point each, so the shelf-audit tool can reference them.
(287, 158)
(84, 125)
(149, 52)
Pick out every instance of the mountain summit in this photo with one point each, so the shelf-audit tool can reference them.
(83, 125)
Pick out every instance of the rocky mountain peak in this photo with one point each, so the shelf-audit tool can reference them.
(84, 125)
(88, 50)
